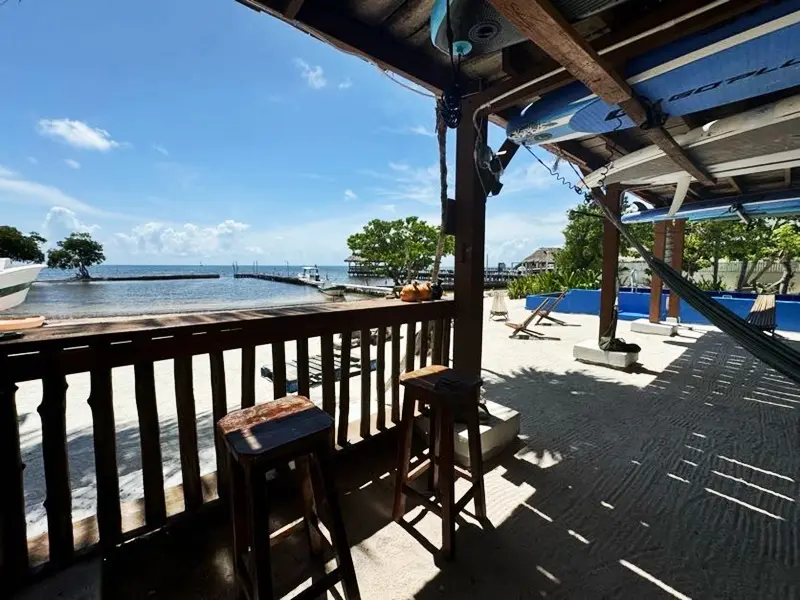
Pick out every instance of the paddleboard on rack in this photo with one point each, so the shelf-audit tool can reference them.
(752, 55)
(766, 138)
(776, 204)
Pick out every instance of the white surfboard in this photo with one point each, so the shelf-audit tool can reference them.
(763, 139)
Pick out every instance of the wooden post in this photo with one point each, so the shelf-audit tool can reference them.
(13, 535)
(608, 286)
(656, 285)
(470, 240)
(678, 237)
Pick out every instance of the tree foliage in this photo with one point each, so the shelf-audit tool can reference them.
(20, 247)
(399, 249)
(78, 251)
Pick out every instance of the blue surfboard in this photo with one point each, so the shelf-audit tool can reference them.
(777, 204)
(755, 54)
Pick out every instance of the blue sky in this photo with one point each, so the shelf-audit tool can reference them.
(179, 132)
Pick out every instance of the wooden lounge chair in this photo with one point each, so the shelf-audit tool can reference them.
(763, 314)
(549, 306)
(315, 370)
(542, 312)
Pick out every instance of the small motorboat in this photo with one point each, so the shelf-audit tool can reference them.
(309, 275)
(333, 290)
(15, 282)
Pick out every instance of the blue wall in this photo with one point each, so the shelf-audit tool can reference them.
(636, 304)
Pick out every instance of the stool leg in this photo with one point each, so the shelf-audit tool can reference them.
(447, 482)
(239, 520)
(476, 459)
(340, 544)
(310, 513)
(434, 418)
(261, 573)
(404, 454)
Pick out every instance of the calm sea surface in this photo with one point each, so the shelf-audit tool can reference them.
(113, 298)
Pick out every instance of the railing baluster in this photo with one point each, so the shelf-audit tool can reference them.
(423, 344)
(278, 370)
(344, 390)
(366, 387)
(13, 530)
(395, 373)
(411, 346)
(448, 328)
(380, 377)
(248, 376)
(328, 375)
(101, 401)
(303, 384)
(219, 408)
(155, 509)
(187, 433)
(56, 464)
(436, 353)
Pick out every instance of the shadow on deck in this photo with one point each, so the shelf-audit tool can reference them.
(686, 489)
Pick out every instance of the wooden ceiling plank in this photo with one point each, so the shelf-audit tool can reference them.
(546, 27)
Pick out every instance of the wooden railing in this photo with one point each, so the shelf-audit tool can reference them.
(51, 354)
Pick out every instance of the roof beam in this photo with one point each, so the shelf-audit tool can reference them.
(787, 178)
(291, 8)
(735, 185)
(546, 27)
(507, 152)
(357, 38)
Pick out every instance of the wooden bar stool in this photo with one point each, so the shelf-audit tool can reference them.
(261, 438)
(446, 393)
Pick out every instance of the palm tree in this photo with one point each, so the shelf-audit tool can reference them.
(441, 136)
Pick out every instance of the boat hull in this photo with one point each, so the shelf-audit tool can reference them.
(756, 54)
(15, 283)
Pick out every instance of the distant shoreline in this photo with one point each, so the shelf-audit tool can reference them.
(174, 277)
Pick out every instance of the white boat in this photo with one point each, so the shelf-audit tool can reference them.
(333, 290)
(763, 139)
(15, 282)
(309, 275)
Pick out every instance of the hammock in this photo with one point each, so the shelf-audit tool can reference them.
(774, 353)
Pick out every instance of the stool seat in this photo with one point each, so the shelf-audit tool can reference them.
(254, 432)
(438, 381)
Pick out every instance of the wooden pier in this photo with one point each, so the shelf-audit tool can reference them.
(279, 278)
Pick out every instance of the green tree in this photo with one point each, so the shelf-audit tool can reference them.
(583, 239)
(399, 249)
(20, 247)
(78, 251)
(786, 246)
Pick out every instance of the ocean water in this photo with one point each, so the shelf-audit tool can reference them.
(75, 299)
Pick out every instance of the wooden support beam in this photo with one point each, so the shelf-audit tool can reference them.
(656, 285)
(544, 25)
(608, 285)
(291, 8)
(735, 185)
(470, 241)
(507, 152)
(678, 238)
(787, 178)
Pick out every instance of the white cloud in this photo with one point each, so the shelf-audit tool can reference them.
(33, 160)
(350, 195)
(404, 182)
(21, 191)
(388, 207)
(422, 130)
(4, 172)
(73, 164)
(511, 236)
(77, 134)
(525, 179)
(184, 240)
(61, 222)
(314, 76)
(347, 83)
(161, 149)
